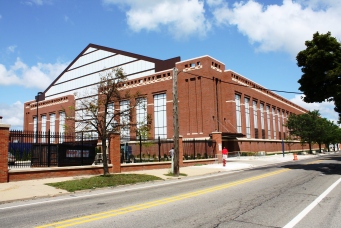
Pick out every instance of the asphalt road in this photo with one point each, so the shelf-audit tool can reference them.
(300, 194)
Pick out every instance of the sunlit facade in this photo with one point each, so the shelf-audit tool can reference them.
(211, 99)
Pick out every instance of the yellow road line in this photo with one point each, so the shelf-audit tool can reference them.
(125, 210)
(313, 162)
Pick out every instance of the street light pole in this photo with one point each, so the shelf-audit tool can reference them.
(39, 97)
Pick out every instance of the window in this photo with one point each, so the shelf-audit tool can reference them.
(279, 122)
(141, 116)
(274, 121)
(255, 118)
(160, 124)
(52, 126)
(247, 116)
(125, 119)
(43, 128)
(262, 120)
(283, 121)
(238, 113)
(268, 121)
(61, 126)
(35, 128)
(109, 120)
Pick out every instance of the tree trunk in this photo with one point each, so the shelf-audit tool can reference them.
(104, 155)
(327, 146)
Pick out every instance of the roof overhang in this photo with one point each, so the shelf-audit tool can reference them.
(230, 135)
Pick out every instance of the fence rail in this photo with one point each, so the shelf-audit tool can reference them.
(198, 149)
(146, 150)
(157, 150)
(48, 149)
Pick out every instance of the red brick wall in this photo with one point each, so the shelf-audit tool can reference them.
(4, 139)
(216, 136)
(48, 107)
(20, 175)
(115, 153)
(207, 102)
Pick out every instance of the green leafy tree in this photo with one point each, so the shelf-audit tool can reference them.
(305, 126)
(320, 63)
(332, 135)
(311, 128)
(290, 140)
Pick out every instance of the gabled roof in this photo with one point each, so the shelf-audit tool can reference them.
(160, 65)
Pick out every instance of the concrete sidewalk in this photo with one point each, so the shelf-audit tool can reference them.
(21, 190)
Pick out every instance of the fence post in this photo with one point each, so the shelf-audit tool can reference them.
(4, 140)
(48, 149)
(206, 149)
(115, 152)
(82, 149)
(181, 152)
(194, 148)
(159, 148)
(140, 149)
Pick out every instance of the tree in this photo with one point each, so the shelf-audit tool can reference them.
(290, 141)
(320, 64)
(109, 111)
(311, 128)
(332, 135)
(305, 126)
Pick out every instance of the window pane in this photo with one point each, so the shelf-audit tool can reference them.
(160, 124)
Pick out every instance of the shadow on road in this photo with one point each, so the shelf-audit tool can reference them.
(330, 165)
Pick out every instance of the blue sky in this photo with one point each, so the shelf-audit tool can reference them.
(258, 39)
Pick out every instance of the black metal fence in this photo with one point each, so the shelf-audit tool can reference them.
(48, 149)
(146, 150)
(198, 149)
(157, 150)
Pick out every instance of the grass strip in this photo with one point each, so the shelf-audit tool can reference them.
(103, 181)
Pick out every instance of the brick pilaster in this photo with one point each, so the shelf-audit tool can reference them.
(115, 153)
(216, 136)
(4, 140)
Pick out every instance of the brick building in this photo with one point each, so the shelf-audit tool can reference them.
(211, 99)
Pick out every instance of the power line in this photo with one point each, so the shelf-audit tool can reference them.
(274, 90)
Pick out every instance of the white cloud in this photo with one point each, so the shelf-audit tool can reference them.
(318, 4)
(38, 2)
(11, 48)
(39, 76)
(13, 114)
(214, 3)
(270, 27)
(182, 18)
(281, 27)
(326, 109)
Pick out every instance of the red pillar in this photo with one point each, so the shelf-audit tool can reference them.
(115, 153)
(4, 140)
(216, 136)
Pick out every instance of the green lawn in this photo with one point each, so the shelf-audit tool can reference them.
(103, 181)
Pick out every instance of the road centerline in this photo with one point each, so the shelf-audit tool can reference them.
(129, 209)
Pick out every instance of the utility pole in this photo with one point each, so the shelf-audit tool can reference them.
(175, 123)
